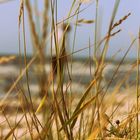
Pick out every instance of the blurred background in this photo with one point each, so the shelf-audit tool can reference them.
(9, 25)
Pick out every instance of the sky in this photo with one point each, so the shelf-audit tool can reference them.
(9, 26)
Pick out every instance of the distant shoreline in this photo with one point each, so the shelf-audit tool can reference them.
(75, 59)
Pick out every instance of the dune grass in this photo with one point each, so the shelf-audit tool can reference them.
(58, 114)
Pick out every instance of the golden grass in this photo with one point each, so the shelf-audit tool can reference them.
(94, 114)
(6, 59)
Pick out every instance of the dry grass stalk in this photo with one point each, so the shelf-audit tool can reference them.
(38, 44)
(113, 34)
(32, 25)
(6, 59)
(45, 23)
(120, 21)
(20, 11)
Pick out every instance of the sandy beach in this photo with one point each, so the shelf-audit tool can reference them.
(124, 98)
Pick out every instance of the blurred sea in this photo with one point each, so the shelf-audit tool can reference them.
(81, 72)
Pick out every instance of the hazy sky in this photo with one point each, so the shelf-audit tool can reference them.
(9, 25)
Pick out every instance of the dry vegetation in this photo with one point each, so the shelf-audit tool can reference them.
(56, 114)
